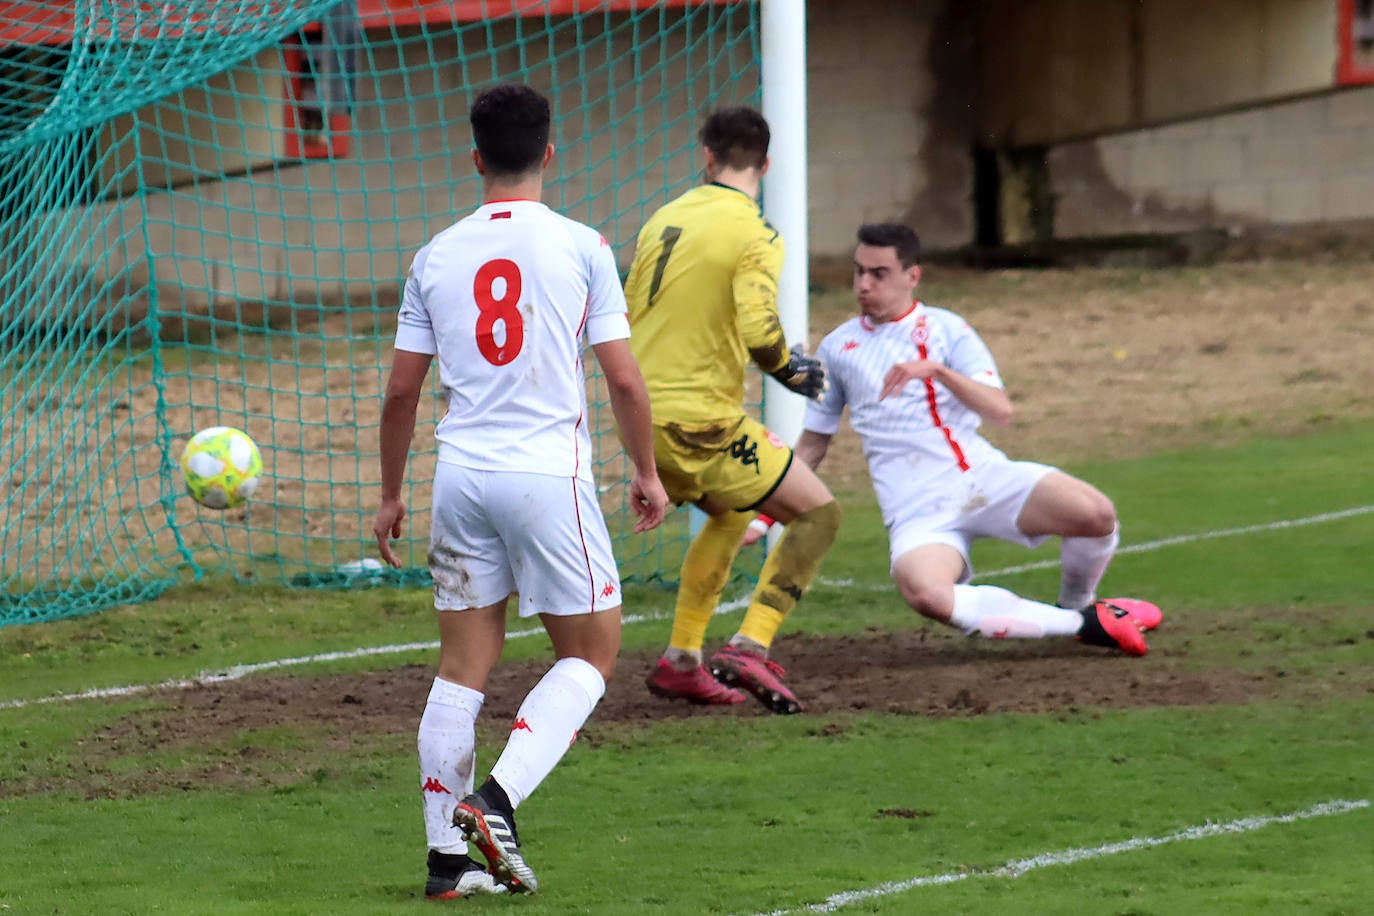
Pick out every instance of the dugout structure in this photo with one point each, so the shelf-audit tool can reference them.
(206, 212)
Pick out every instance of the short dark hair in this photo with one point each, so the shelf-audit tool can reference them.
(893, 235)
(510, 126)
(737, 136)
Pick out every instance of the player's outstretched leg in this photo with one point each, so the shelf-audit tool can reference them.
(490, 826)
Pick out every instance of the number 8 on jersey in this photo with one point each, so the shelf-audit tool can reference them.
(504, 308)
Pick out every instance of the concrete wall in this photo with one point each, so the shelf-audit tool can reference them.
(890, 119)
(1304, 161)
(899, 94)
(1053, 70)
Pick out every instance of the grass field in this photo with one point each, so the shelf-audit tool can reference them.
(1249, 797)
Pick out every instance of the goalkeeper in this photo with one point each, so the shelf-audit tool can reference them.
(702, 293)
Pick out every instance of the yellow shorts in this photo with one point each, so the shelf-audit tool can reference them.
(735, 461)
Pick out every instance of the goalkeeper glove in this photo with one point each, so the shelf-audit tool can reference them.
(803, 374)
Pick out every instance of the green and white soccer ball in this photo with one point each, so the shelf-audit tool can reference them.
(222, 467)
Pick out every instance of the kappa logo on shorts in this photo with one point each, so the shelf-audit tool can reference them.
(608, 591)
(744, 451)
(520, 724)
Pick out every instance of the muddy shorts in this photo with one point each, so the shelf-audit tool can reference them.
(736, 461)
(498, 532)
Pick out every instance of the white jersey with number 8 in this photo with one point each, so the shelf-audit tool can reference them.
(504, 299)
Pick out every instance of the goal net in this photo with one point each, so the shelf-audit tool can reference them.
(206, 212)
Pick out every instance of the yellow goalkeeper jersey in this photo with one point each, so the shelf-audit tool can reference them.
(703, 293)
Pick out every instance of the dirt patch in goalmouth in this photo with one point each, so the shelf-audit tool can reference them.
(925, 671)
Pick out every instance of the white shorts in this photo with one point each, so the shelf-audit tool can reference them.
(980, 503)
(497, 532)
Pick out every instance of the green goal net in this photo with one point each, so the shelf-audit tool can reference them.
(206, 212)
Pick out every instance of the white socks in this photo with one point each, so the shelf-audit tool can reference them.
(1083, 562)
(546, 726)
(1000, 614)
(448, 755)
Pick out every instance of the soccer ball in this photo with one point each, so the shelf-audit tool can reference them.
(221, 466)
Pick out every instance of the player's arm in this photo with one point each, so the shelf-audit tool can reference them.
(969, 372)
(414, 350)
(812, 447)
(988, 401)
(756, 302)
(399, 405)
(630, 404)
(608, 332)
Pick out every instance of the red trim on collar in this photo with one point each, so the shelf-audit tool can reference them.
(869, 326)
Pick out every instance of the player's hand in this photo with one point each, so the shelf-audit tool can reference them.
(649, 501)
(388, 526)
(803, 374)
(900, 374)
(756, 530)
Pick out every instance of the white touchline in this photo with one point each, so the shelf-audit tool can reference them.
(238, 671)
(1018, 867)
(206, 678)
(1147, 546)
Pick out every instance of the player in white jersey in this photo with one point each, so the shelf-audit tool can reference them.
(504, 299)
(918, 382)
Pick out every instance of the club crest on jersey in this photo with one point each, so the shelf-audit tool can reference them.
(920, 335)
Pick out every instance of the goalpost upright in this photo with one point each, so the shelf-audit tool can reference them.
(783, 80)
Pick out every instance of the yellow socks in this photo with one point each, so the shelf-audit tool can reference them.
(787, 572)
(705, 570)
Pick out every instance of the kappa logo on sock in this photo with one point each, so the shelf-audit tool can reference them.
(435, 786)
(521, 724)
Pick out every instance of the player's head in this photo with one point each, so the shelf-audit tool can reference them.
(886, 272)
(735, 138)
(510, 128)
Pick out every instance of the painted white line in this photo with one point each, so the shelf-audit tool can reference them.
(206, 678)
(1018, 867)
(1144, 546)
(238, 671)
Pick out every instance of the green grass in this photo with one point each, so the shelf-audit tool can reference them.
(730, 815)
(792, 814)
